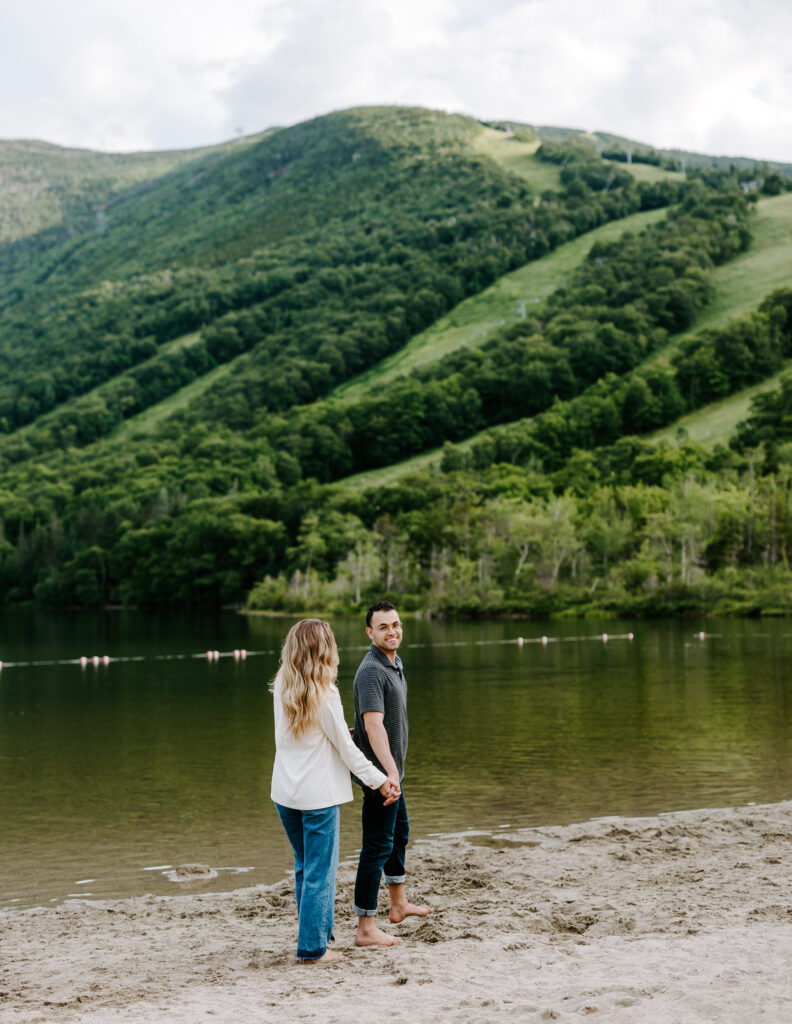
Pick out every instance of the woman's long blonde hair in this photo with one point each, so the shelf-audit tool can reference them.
(308, 668)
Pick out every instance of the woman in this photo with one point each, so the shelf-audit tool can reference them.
(313, 759)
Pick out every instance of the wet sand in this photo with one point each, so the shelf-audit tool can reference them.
(685, 917)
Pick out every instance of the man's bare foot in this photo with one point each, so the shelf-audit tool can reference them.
(375, 937)
(402, 910)
(329, 957)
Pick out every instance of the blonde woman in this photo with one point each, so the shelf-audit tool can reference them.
(313, 759)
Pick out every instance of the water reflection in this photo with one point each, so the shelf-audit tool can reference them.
(122, 772)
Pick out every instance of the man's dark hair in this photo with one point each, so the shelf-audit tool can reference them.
(380, 606)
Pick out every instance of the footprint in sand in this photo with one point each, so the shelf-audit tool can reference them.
(429, 932)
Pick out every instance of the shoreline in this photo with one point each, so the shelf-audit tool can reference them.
(570, 613)
(685, 916)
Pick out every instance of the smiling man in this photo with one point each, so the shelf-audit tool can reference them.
(381, 733)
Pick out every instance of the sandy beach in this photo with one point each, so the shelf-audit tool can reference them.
(685, 917)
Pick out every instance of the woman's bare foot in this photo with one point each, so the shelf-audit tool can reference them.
(329, 957)
(399, 911)
(373, 936)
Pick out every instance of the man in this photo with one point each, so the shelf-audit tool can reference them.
(381, 733)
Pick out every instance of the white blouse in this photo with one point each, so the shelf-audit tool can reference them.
(313, 771)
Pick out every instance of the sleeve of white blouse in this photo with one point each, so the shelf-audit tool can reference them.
(336, 730)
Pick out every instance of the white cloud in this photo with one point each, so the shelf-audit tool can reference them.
(711, 75)
(127, 75)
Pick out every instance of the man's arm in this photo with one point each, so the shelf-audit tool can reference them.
(378, 738)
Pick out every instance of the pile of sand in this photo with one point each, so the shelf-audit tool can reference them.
(681, 918)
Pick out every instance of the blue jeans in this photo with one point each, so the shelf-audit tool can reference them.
(314, 839)
(385, 834)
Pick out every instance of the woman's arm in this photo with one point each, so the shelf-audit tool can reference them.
(335, 728)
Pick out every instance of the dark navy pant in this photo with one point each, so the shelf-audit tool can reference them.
(385, 834)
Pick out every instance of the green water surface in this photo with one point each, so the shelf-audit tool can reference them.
(112, 775)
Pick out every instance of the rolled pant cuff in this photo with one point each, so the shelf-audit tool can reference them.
(394, 879)
(364, 913)
(314, 955)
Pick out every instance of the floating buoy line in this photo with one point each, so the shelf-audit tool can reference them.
(96, 660)
(239, 654)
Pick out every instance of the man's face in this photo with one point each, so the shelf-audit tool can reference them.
(385, 630)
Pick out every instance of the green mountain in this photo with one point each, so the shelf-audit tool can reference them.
(59, 191)
(188, 371)
(398, 209)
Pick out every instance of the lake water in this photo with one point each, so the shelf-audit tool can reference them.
(111, 775)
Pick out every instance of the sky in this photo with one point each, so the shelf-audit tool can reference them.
(714, 76)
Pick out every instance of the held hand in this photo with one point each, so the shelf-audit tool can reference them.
(391, 791)
(393, 778)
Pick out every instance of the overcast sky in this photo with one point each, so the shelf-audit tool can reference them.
(707, 75)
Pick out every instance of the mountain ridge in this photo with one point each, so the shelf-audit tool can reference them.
(299, 260)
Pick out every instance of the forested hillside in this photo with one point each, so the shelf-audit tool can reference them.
(227, 297)
(67, 190)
